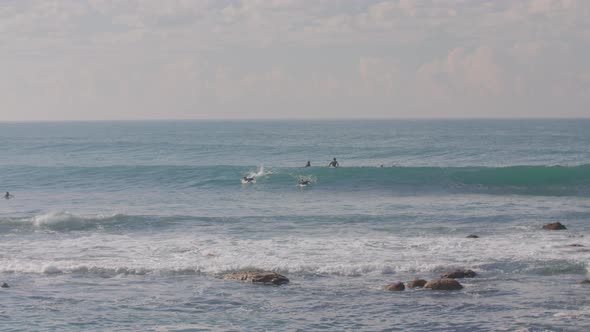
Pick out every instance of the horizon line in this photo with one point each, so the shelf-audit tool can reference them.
(293, 119)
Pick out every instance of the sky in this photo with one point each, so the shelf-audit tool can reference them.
(285, 59)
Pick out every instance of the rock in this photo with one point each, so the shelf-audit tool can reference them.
(417, 283)
(265, 277)
(458, 274)
(555, 226)
(575, 245)
(395, 286)
(472, 236)
(443, 284)
(585, 281)
(4, 285)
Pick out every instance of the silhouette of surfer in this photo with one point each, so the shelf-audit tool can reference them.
(248, 179)
(334, 163)
(8, 195)
(308, 164)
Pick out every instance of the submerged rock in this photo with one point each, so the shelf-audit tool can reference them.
(443, 284)
(4, 285)
(554, 226)
(265, 277)
(417, 283)
(472, 236)
(395, 286)
(458, 274)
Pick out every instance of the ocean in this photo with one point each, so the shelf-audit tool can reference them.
(129, 226)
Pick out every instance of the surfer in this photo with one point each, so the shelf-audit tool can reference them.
(308, 164)
(333, 163)
(8, 195)
(303, 182)
(246, 179)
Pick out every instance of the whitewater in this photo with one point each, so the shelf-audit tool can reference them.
(131, 225)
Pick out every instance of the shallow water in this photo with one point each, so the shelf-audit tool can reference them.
(128, 225)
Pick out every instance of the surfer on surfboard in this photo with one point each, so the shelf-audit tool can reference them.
(333, 163)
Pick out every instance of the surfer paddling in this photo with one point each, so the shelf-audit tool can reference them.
(247, 179)
(334, 163)
(304, 182)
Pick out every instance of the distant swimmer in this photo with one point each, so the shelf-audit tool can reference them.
(308, 164)
(8, 195)
(333, 163)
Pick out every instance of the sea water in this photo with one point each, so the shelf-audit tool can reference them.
(130, 225)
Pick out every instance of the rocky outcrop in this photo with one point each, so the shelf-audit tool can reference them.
(554, 226)
(458, 274)
(472, 236)
(417, 283)
(443, 284)
(264, 277)
(395, 286)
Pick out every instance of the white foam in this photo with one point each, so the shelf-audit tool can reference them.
(67, 220)
(259, 172)
(334, 254)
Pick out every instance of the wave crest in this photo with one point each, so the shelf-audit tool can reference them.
(63, 220)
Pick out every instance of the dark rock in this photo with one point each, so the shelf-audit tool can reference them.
(575, 245)
(417, 283)
(585, 281)
(458, 274)
(265, 277)
(472, 236)
(4, 285)
(443, 284)
(395, 286)
(555, 226)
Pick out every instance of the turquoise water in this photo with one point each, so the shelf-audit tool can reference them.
(128, 225)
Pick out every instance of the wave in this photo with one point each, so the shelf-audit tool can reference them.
(427, 269)
(531, 180)
(64, 221)
(212, 251)
(68, 221)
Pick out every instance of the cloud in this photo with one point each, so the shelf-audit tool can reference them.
(380, 76)
(184, 58)
(462, 75)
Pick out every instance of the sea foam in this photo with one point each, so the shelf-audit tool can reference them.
(63, 220)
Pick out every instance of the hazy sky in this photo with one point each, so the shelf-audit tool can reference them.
(150, 59)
